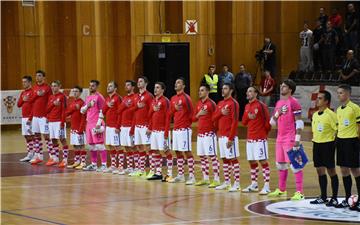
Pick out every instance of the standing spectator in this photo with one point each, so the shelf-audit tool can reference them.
(335, 19)
(212, 79)
(267, 86)
(317, 34)
(225, 77)
(329, 40)
(350, 70)
(269, 50)
(323, 17)
(351, 28)
(243, 81)
(306, 61)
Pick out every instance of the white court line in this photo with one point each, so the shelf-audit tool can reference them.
(208, 220)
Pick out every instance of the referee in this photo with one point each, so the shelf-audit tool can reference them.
(348, 144)
(324, 127)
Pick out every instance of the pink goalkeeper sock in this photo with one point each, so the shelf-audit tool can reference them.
(103, 155)
(93, 157)
(282, 179)
(299, 181)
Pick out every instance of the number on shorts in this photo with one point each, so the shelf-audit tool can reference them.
(184, 144)
(62, 133)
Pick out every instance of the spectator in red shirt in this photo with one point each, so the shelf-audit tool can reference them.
(267, 86)
(335, 19)
(26, 113)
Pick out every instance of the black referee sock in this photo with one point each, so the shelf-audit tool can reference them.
(323, 186)
(347, 185)
(357, 179)
(335, 186)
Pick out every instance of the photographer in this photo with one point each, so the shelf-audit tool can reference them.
(269, 50)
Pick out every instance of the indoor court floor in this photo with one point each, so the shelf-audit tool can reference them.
(43, 195)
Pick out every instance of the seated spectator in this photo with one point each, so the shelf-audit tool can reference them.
(266, 89)
(350, 71)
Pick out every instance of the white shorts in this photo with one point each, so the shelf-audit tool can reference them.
(125, 138)
(257, 150)
(182, 140)
(112, 138)
(25, 129)
(39, 125)
(55, 131)
(206, 144)
(77, 139)
(229, 153)
(157, 140)
(140, 137)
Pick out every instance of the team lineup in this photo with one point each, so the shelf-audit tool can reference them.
(142, 129)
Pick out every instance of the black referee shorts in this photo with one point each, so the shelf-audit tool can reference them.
(347, 154)
(324, 154)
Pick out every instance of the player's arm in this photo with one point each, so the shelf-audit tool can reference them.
(150, 114)
(189, 106)
(167, 119)
(196, 114)
(50, 106)
(20, 101)
(245, 118)
(82, 124)
(234, 122)
(70, 110)
(105, 108)
(217, 115)
(119, 112)
(299, 123)
(63, 112)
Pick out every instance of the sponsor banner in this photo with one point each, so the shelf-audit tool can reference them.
(11, 114)
(307, 96)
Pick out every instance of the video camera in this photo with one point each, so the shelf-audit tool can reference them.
(260, 56)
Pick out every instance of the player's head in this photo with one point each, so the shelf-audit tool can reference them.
(179, 84)
(26, 81)
(94, 84)
(306, 25)
(344, 92)
(323, 99)
(252, 93)
(55, 86)
(129, 86)
(40, 76)
(204, 90)
(287, 87)
(227, 90)
(76, 91)
(159, 88)
(112, 87)
(142, 82)
(211, 69)
(225, 68)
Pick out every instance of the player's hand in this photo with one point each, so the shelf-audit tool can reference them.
(89, 105)
(140, 105)
(202, 112)
(97, 127)
(296, 145)
(62, 125)
(25, 98)
(229, 144)
(28, 122)
(225, 111)
(46, 121)
(56, 102)
(40, 92)
(80, 132)
(111, 103)
(156, 108)
(148, 132)
(251, 115)
(127, 103)
(77, 106)
(117, 130)
(178, 106)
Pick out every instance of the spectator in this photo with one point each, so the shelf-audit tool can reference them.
(243, 81)
(336, 19)
(317, 34)
(323, 17)
(329, 41)
(212, 79)
(351, 28)
(350, 71)
(267, 86)
(269, 50)
(306, 60)
(225, 77)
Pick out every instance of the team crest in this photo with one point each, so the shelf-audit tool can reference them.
(9, 102)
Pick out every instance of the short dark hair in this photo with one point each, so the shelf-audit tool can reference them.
(115, 84)
(27, 77)
(327, 95)
(211, 66)
(207, 87)
(96, 82)
(57, 82)
(162, 85)
(256, 89)
(41, 71)
(346, 87)
(230, 85)
(181, 78)
(144, 78)
(225, 65)
(133, 83)
(291, 84)
(79, 88)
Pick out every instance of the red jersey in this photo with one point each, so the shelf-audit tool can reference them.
(56, 113)
(257, 128)
(39, 103)
(335, 20)
(227, 124)
(266, 84)
(205, 124)
(26, 106)
(111, 112)
(77, 118)
(126, 111)
(142, 114)
(158, 120)
(183, 117)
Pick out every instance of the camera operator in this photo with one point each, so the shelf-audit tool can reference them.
(269, 50)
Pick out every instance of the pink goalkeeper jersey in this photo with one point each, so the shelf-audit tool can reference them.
(286, 122)
(92, 114)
